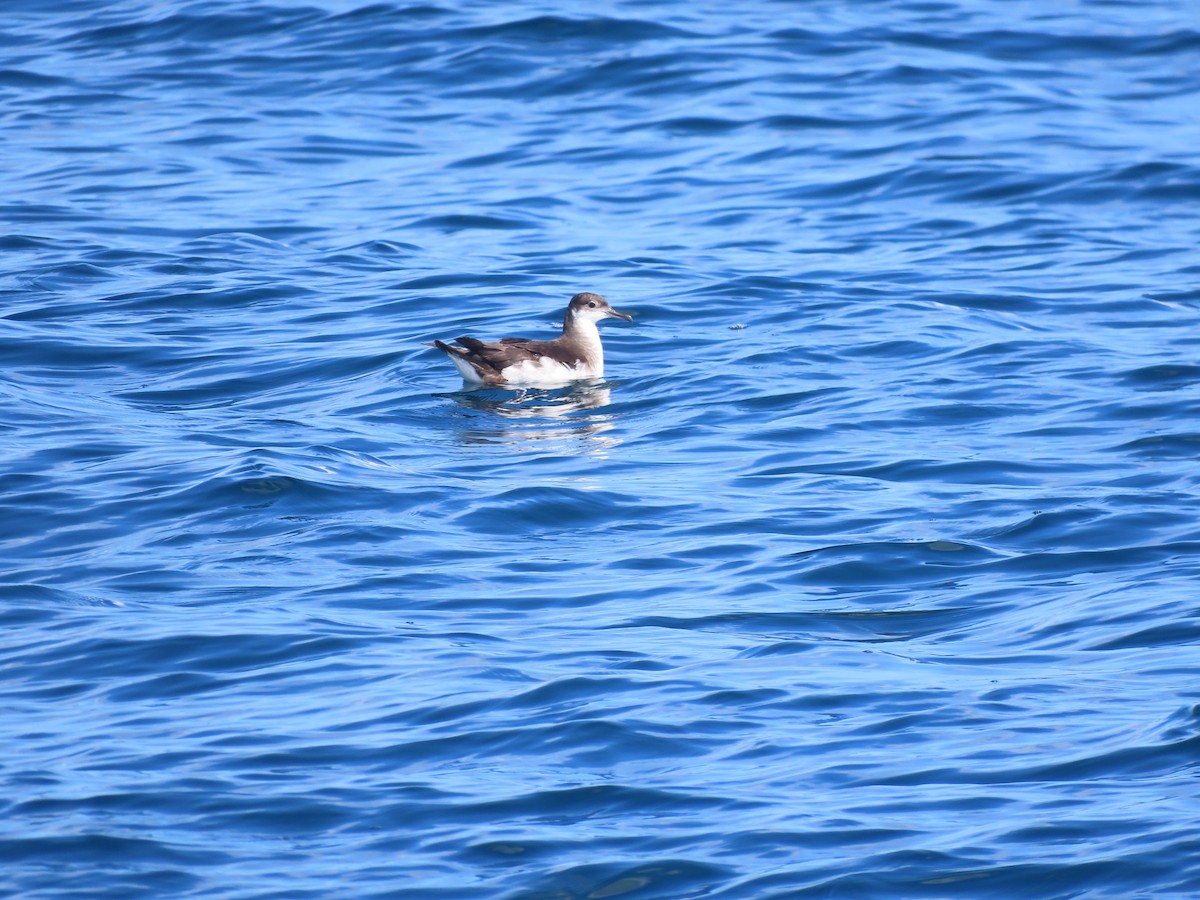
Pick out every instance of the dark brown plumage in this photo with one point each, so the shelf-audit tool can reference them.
(576, 353)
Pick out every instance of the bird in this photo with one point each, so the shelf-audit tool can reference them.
(573, 355)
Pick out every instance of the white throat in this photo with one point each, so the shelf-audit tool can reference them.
(583, 331)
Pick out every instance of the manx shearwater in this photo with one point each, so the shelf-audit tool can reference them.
(573, 355)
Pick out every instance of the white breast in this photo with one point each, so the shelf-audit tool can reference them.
(545, 372)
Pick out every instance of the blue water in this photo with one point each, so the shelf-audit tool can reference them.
(871, 572)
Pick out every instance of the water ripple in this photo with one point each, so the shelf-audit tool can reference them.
(865, 572)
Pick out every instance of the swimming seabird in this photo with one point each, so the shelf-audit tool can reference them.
(575, 354)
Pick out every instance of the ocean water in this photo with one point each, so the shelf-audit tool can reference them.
(872, 570)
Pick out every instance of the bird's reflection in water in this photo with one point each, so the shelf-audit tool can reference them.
(531, 416)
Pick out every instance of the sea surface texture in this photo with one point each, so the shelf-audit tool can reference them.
(872, 569)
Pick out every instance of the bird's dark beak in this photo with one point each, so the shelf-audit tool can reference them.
(617, 314)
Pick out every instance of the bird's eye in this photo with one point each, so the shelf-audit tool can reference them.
(592, 304)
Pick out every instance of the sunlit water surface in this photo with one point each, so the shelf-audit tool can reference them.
(871, 571)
